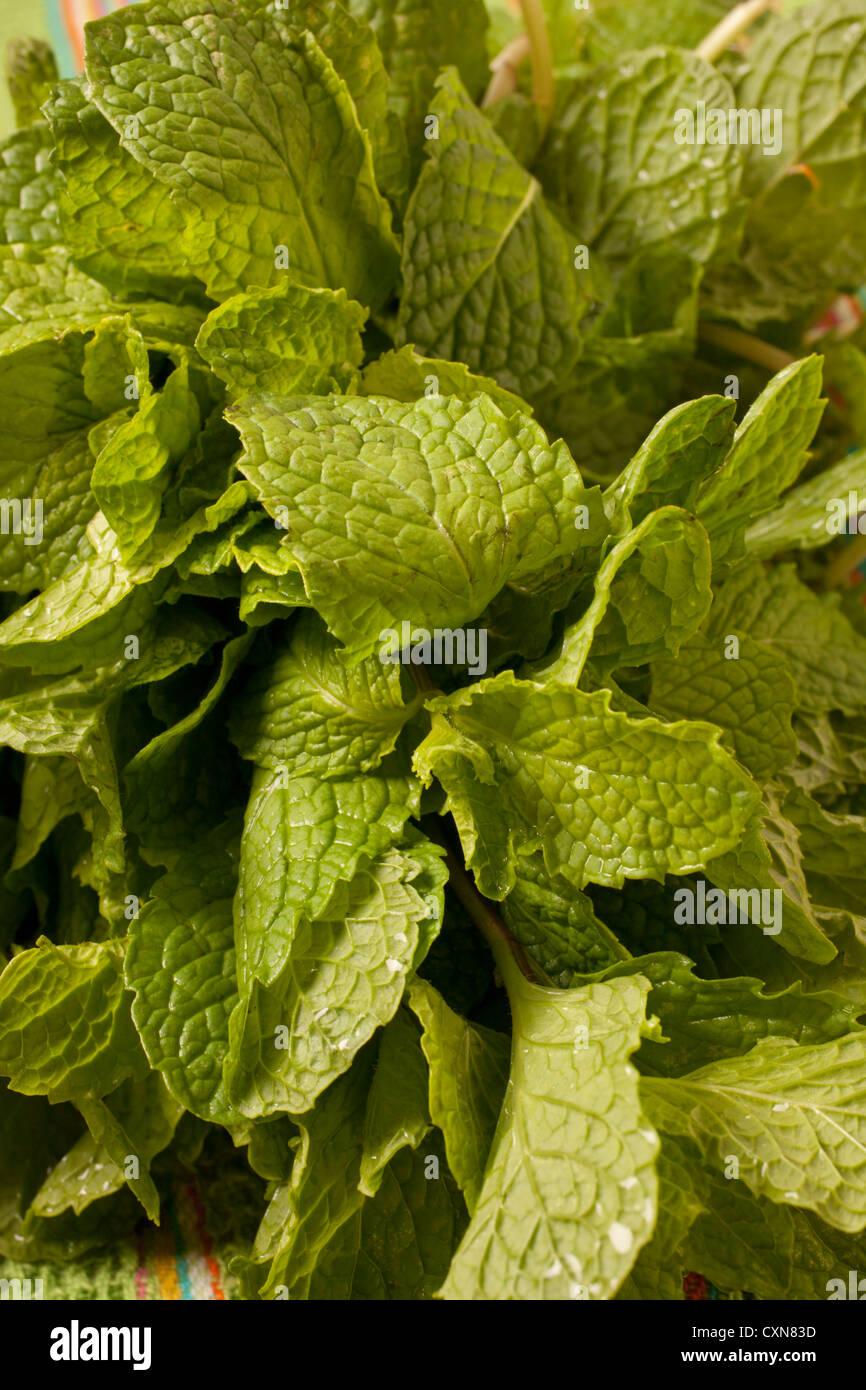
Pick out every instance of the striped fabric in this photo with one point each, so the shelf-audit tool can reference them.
(185, 1258)
(66, 20)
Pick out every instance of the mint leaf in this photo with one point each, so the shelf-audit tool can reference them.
(804, 234)
(46, 461)
(406, 375)
(803, 520)
(468, 1075)
(290, 340)
(181, 967)
(327, 211)
(65, 1027)
(418, 40)
(342, 977)
(768, 454)
(647, 188)
(751, 698)
(652, 591)
(823, 653)
(31, 69)
(131, 472)
(558, 925)
(361, 483)
(495, 284)
(117, 223)
(122, 1138)
(792, 1116)
(569, 1194)
(396, 1116)
(302, 839)
(309, 712)
(510, 755)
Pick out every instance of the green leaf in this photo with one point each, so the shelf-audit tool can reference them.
(804, 235)
(823, 653)
(397, 1246)
(131, 473)
(686, 446)
(569, 1194)
(116, 366)
(289, 340)
(343, 976)
(768, 859)
(28, 190)
(614, 164)
(181, 967)
(768, 454)
(137, 1124)
(833, 848)
(652, 591)
(51, 789)
(118, 226)
(378, 529)
(396, 1115)
(752, 698)
(468, 1075)
(321, 1194)
(614, 26)
(87, 612)
(302, 839)
(47, 298)
(705, 1020)
(45, 461)
(33, 1137)
(528, 766)
(557, 925)
(808, 515)
(405, 376)
(173, 793)
(418, 38)
(31, 70)
(657, 1272)
(65, 1026)
(308, 712)
(633, 363)
(286, 164)
(489, 273)
(351, 46)
(792, 1116)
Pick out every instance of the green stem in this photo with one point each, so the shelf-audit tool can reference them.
(734, 24)
(505, 67)
(847, 560)
(746, 346)
(506, 951)
(542, 58)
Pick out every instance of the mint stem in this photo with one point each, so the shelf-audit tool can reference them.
(746, 346)
(542, 57)
(506, 951)
(732, 27)
(504, 68)
(845, 563)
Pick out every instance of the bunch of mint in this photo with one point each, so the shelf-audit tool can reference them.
(433, 704)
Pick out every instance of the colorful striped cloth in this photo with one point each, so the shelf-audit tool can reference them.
(65, 21)
(186, 1257)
